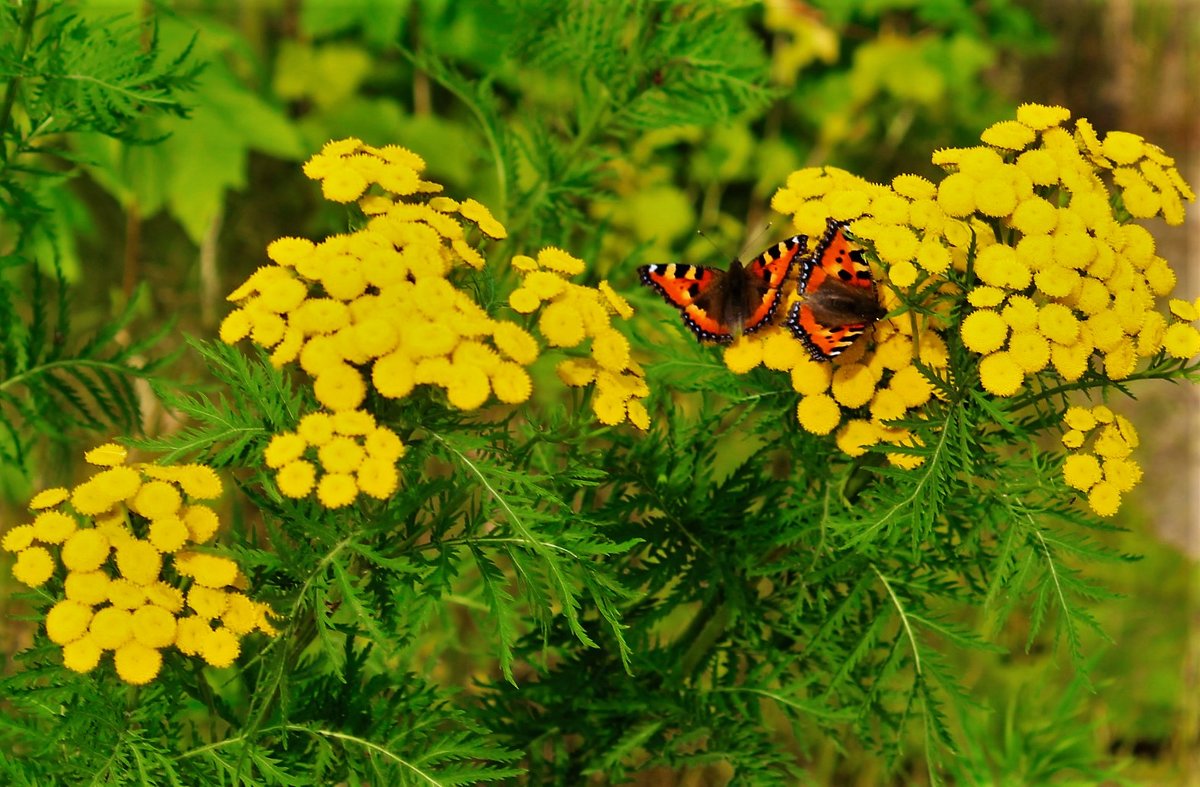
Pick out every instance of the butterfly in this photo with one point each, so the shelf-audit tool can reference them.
(720, 305)
(838, 301)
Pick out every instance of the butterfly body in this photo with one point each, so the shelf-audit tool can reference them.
(720, 305)
(838, 299)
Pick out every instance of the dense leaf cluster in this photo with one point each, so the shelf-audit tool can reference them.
(547, 601)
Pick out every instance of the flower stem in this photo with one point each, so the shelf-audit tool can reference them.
(10, 90)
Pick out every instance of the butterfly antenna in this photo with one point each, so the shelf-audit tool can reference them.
(712, 243)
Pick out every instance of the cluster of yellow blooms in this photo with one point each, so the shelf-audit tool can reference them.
(122, 538)
(570, 315)
(375, 311)
(902, 224)
(1106, 472)
(1068, 277)
(355, 453)
(375, 305)
(1035, 223)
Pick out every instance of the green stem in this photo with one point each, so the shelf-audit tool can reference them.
(705, 631)
(10, 94)
(1149, 374)
(10, 91)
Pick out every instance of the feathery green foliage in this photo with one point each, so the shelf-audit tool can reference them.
(51, 391)
(544, 600)
(63, 74)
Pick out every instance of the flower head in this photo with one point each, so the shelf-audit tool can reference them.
(1023, 254)
(119, 540)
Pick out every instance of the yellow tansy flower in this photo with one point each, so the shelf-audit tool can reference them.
(744, 354)
(1082, 471)
(619, 305)
(853, 385)
(168, 534)
(336, 490)
(53, 527)
(111, 627)
(67, 621)
(139, 561)
(1040, 116)
(106, 455)
(984, 331)
(136, 663)
(1181, 341)
(956, 194)
(85, 550)
(48, 498)
(856, 436)
(296, 479)
(284, 448)
(1184, 310)
(818, 413)
(561, 324)
(511, 383)
(476, 212)
(82, 655)
(220, 648)
(576, 372)
(1104, 499)
(1121, 147)
(1080, 418)
(340, 387)
(1000, 374)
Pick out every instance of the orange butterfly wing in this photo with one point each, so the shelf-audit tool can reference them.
(714, 302)
(682, 286)
(839, 296)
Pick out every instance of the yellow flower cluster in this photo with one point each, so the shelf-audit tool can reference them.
(131, 584)
(570, 315)
(375, 312)
(1105, 472)
(374, 308)
(874, 382)
(1059, 275)
(1146, 178)
(1054, 273)
(353, 452)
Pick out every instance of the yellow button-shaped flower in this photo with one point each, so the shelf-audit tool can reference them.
(984, 331)
(1081, 471)
(744, 354)
(136, 663)
(856, 436)
(853, 384)
(818, 413)
(1181, 341)
(85, 550)
(956, 194)
(111, 627)
(1000, 374)
(67, 621)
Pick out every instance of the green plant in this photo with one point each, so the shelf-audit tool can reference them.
(515, 525)
(64, 77)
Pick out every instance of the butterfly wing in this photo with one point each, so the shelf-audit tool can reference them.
(836, 258)
(765, 275)
(697, 292)
(839, 301)
(823, 342)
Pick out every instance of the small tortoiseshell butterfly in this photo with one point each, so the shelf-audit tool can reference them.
(838, 296)
(721, 305)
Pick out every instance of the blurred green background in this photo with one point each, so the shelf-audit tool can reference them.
(187, 205)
